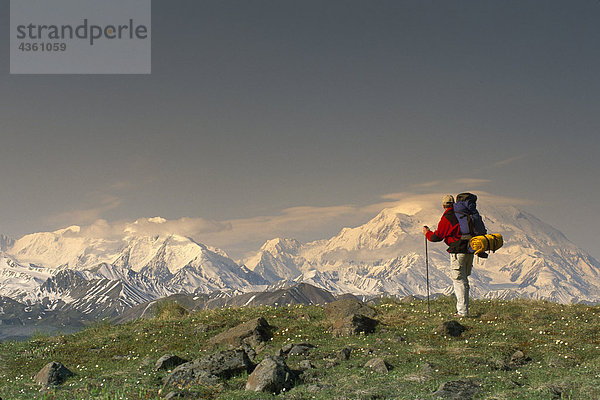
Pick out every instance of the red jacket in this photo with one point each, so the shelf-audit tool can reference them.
(448, 230)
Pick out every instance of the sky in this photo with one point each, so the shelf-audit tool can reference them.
(303, 112)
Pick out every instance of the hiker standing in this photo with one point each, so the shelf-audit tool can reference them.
(462, 214)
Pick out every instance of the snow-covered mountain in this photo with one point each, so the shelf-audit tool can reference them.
(89, 275)
(104, 276)
(387, 256)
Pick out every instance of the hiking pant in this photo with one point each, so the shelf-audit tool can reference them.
(461, 265)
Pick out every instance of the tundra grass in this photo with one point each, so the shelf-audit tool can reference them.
(117, 362)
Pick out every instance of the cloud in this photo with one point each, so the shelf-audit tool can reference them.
(427, 184)
(242, 235)
(508, 161)
(85, 216)
(188, 227)
(303, 223)
(451, 186)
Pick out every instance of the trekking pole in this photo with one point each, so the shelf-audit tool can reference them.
(427, 274)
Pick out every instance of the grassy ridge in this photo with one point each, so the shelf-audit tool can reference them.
(116, 362)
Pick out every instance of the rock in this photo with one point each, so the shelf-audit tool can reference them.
(353, 325)
(351, 317)
(286, 348)
(208, 370)
(313, 388)
(301, 349)
(424, 374)
(249, 350)
(291, 349)
(458, 390)
(450, 328)
(305, 365)
(188, 374)
(225, 364)
(182, 395)
(556, 391)
(168, 361)
(347, 307)
(343, 354)
(488, 317)
(410, 299)
(518, 358)
(52, 374)
(377, 365)
(252, 332)
(272, 375)
(399, 339)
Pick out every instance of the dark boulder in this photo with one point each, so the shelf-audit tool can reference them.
(450, 328)
(209, 370)
(347, 307)
(168, 361)
(354, 325)
(252, 332)
(52, 374)
(343, 354)
(458, 390)
(300, 349)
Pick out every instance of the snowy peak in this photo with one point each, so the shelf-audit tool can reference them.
(383, 256)
(147, 266)
(64, 248)
(386, 256)
(172, 252)
(387, 229)
(279, 245)
(72, 248)
(277, 259)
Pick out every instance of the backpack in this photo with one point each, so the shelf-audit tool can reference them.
(469, 219)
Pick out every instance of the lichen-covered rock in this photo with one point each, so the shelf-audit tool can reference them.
(52, 374)
(343, 354)
(252, 332)
(347, 307)
(300, 349)
(377, 365)
(450, 328)
(272, 375)
(519, 358)
(306, 365)
(354, 325)
(209, 370)
(168, 361)
(458, 390)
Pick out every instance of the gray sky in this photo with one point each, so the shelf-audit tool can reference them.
(255, 107)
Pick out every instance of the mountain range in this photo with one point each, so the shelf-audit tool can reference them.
(87, 276)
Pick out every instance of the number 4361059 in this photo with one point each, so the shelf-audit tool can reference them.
(24, 46)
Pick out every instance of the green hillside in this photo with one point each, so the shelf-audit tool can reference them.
(559, 353)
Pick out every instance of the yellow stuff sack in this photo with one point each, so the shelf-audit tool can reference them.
(490, 242)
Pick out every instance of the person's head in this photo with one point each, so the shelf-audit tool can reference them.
(448, 201)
